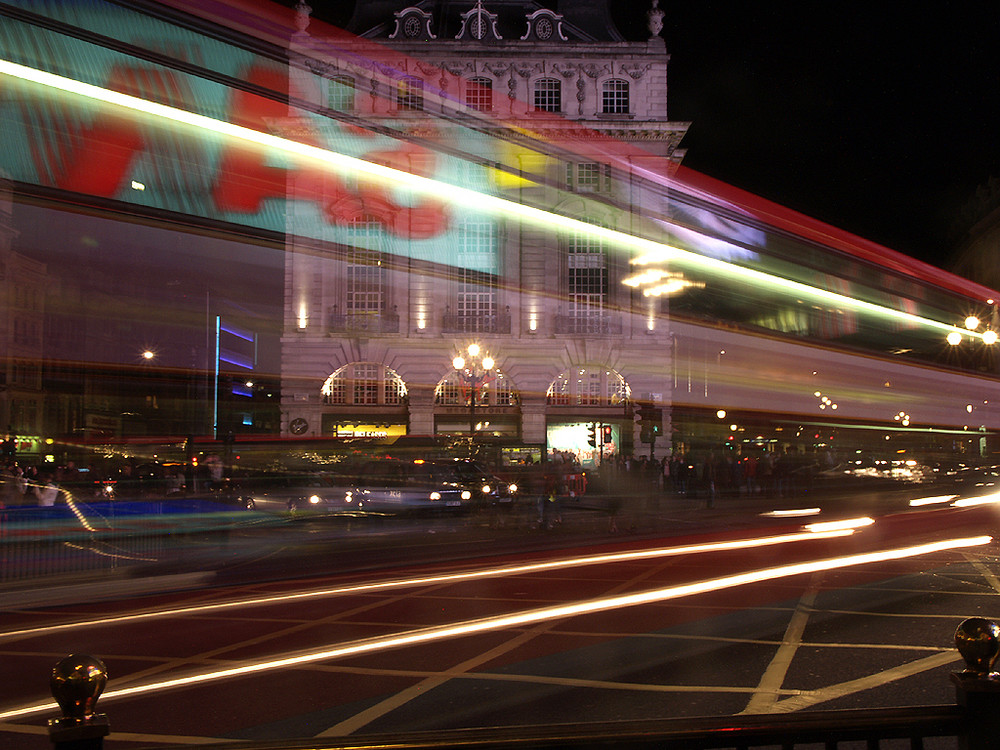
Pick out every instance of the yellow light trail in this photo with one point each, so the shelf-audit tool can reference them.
(495, 572)
(517, 619)
(650, 251)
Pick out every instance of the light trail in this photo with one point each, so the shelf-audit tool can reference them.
(506, 570)
(517, 619)
(937, 500)
(649, 251)
(849, 523)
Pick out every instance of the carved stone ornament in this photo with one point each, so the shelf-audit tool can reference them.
(525, 69)
(593, 71)
(497, 69)
(457, 68)
(566, 70)
(635, 71)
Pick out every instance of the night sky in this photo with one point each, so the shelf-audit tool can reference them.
(879, 118)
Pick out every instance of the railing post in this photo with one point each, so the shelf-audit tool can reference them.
(76, 683)
(977, 688)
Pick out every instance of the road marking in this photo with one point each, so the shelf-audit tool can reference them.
(351, 725)
(810, 698)
(773, 678)
(985, 572)
(517, 619)
(492, 572)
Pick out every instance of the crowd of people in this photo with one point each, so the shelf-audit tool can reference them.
(722, 472)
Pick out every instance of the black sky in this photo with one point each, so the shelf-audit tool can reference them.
(879, 118)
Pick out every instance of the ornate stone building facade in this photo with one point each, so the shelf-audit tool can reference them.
(529, 107)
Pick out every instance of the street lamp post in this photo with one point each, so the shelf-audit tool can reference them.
(475, 371)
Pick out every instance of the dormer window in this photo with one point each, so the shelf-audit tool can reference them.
(544, 26)
(478, 23)
(413, 24)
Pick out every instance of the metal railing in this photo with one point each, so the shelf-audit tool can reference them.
(362, 322)
(973, 722)
(470, 323)
(597, 323)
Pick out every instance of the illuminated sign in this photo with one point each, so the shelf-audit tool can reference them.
(368, 430)
(87, 147)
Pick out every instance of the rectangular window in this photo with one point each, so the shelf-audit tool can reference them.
(548, 95)
(410, 94)
(477, 301)
(614, 98)
(477, 294)
(588, 177)
(479, 94)
(341, 94)
(365, 278)
(587, 282)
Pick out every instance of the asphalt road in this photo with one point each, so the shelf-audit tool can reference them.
(469, 625)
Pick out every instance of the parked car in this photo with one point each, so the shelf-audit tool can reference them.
(397, 487)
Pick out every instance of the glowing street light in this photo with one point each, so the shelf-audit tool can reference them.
(476, 372)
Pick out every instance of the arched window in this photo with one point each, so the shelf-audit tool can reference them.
(548, 95)
(614, 97)
(364, 384)
(496, 390)
(479, 94)
(341, 93)
(588, 385)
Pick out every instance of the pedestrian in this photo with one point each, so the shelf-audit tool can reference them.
(46, 491)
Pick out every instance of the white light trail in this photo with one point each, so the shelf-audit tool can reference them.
(847, 523)
(518, 619)
(937, 500)
(505, 570)
(650, 251)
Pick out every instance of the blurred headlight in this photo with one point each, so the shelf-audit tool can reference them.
(466, 495)
(487, 489)
(314, 499)
(512, 488)
(349, 496)
(435, 496)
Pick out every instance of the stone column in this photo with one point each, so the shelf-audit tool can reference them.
(533, 419)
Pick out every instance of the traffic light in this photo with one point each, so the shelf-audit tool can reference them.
(656, 420)
(650, 423)
(592, 435)
(606, 435)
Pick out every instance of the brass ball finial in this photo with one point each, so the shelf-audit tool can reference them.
(77, 682)
(978, 641)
